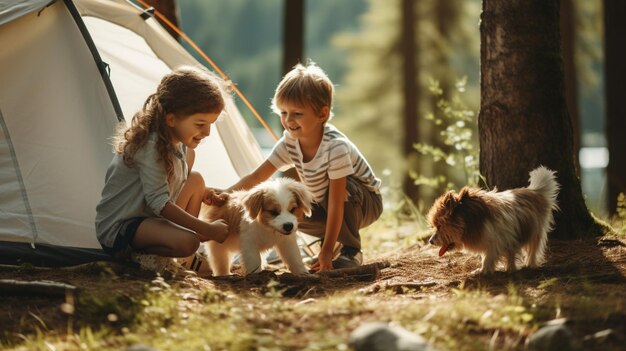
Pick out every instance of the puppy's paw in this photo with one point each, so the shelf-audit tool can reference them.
(482, 272)
(302, 271)
(476, 272)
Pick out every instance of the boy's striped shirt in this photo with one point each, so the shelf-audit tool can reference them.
(336, 157)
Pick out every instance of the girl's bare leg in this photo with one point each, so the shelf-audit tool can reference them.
(190, 198)
(161, 237)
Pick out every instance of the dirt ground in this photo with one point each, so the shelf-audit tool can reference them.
(601, 263)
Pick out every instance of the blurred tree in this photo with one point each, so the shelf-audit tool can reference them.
(411, 95)
(371, 93)
(448, 39)
(169, 10)
(568, 44)
(244, 38)
(381, 82)
(293, 47)
(523, 120)
(615, 82)
(589, 64)
(324, 19)
(293, 34)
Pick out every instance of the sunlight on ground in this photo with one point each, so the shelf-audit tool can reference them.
(458, 313)
(390, 233)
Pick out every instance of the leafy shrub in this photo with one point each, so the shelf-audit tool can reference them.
(455, 124)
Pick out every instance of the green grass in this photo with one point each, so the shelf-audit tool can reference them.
(177, 318)
(176, 315)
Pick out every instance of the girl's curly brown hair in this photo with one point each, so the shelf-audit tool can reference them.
(183, 92)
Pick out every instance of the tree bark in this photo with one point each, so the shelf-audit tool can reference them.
(568, 46)
(523, 120)
(169, 10)
(293, 34)
(410, 94)
(293, 50)
(615, 85)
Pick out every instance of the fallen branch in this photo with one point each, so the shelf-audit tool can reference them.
(290, 278)
(366, 269)
(613, 277)
(410, 285)
(610, 242)
(227, 278)
(366, 272)
(41, 287)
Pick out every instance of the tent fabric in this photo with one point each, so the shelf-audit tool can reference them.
(154, 46)
(57, 117)
(10, 10)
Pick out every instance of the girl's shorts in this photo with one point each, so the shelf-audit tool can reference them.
(122, 247)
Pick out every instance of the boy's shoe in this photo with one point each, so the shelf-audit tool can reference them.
(349, 257)
(313, 260)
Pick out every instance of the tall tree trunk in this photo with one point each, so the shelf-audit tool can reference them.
(293, 34)
(523, 120)
(615, 84)
(293, 49)
(169, 10)
(568, 46)
(411, 94)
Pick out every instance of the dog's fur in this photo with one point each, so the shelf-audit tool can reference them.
(259, 219)
(498, 225)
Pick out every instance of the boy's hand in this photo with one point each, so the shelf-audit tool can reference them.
(217, 230)
(215, 197)
(324, 262)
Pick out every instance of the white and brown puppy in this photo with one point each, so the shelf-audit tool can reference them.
(259, 219)
(498, 225)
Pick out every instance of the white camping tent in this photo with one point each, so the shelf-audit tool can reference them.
(68, 71)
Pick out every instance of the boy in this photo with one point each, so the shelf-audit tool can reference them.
(345, 189)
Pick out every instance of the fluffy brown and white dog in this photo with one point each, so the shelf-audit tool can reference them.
(259, 219)
(501, 226)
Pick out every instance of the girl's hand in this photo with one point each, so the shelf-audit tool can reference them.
(217, 230)
(215, 197)
(324, 262)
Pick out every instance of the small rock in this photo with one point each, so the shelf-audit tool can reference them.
(140, 347)
(559, 321)
(552, 337)
(378, 336)
(602, 336)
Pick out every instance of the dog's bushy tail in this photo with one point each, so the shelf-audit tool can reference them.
(543, 181)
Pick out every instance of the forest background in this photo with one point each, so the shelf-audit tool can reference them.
(357, 42)
(361, 46)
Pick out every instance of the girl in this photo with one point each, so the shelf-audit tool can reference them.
(151, 198)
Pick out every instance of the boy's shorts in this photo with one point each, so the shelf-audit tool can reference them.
(122, 247)
(362, 209)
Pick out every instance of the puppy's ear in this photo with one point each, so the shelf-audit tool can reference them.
(303, 196)
(253, 202)
(452, 200)
(464, 194)
(442, 208)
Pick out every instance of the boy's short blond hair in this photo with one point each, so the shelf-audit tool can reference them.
(307, 86)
